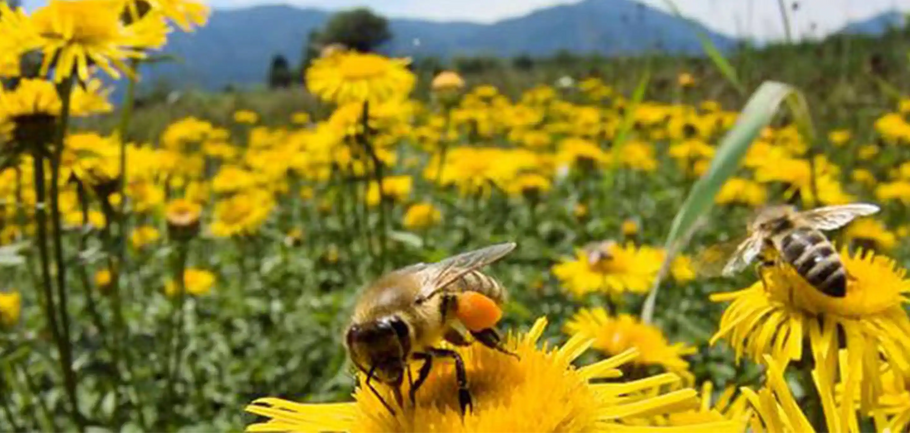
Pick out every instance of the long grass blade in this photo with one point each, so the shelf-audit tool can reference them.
(757, 114)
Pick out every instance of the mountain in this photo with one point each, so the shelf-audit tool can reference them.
(876, 25)
(237, 45)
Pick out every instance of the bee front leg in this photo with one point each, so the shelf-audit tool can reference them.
(421, 375)
(490, 337)
(461, 375)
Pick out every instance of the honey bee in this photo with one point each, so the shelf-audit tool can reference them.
(783, 234)
(598, 252)
(404, 314)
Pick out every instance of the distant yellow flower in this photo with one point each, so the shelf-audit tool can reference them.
(246, 116)
(394, 188)
(864, 177)
(893, 127)
(421, 216)
(447, 81)
(615, 335)
(507, 397)
(638, 155)
(144, 235)
(231, 178)
(840, 137)
(742, 191)
(625, 268)
(530, 185)
(629, 228)
(103, 279)
(347, 77)
(197, 282)
(580, 210)
(71, 35)
(870, 232)
(682, 270)
(185, 13)
(182, 218)
(185, 132)
(685, 79)
(300, 118)
(242, 213)
(687, 151)
(10, 308)
(772, 321)
(581, 153)
(897, 190)
(867, 152)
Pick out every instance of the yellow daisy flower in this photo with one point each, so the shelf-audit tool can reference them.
(870, 233)
(840, 137)
(347, 77)
(776, 317)
(421, 216)
(615, 335)
(776, 410)
(447, 81)
(394, 188)
(197, 282)
(897, 190)
(539, 391)
(742, 191)
(10, 308)
(625, 268)
(144, 235)
(242, 213)
(728, 405)
(185, 13)
(246, 116)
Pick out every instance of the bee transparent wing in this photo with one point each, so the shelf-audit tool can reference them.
(835, 217)
(710, 262)
(745, 253)
(438, 276)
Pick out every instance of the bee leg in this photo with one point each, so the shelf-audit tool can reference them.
(422, 375)
(490, 337)
(375, 392)
(455, 337)
(461, 375)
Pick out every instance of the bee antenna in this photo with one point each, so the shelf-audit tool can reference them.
(376, 393)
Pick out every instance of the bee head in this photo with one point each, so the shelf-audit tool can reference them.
(772, 219)
(381, 346)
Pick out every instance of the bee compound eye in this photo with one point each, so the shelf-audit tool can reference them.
(401, 329)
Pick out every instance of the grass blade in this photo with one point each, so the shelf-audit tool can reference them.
(757, 114)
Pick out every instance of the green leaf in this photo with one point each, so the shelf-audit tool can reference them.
(758, 113)
(407, 238)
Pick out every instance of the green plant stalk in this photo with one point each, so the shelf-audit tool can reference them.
(9, 414)
(123, 216)
(364, 138)
(46, 420)
(175, 326)
(90, 303)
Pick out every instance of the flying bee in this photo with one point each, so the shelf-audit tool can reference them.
(783, 234)
(404, 314)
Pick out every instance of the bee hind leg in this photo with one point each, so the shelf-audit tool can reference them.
(461, 376)
(421, 375)
(490, 337)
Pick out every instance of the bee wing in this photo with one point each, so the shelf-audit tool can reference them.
(834, 217)
(710, 262)
(744, 254)
(438, 276)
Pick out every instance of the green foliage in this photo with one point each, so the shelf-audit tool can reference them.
(358, 29)
(280, 75)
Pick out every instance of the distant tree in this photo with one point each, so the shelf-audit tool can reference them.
(280, 75)
(429, 64)
(475, 65)
(358, 29)
(523, 62)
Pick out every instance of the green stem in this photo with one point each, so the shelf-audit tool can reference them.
(174, 328)
(364, 138)
(123, 216)
(91, 306)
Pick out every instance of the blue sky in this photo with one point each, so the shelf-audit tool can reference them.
(755, 18)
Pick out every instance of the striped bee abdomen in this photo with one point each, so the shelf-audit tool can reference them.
(475, 281)
(814, 258)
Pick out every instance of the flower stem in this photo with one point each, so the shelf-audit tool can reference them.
(364, 138)
(175, 326)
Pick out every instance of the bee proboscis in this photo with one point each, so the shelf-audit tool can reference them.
(402, 316)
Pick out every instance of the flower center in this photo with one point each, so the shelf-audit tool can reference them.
(362, 67)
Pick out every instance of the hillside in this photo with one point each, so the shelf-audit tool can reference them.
(236, 46)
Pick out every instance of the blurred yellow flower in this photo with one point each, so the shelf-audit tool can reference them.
(420, 216)
(185, 13)
(231, 178)
(182, 218)
(685, 79)
(507, 396)
(144, 235)
(394, 189)
(629, 228)
(103, 279)
(615, 335)
(578, 152)
(897, 190)
(529, 185)
(624, 268)
(638, 155)
(447, 81)
(242, 213)
(246, 116)
(864, 177)
(197, 282)
(871, 233)
(776, 410)
(742, 191)
(893, 127)
(10, 308)
(682, 270)
(300, 118)
(840, 137)
(867, 152)
(347, 77)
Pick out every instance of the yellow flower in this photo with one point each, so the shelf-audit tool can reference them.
(578, 152)
(870, 232)
(530, 185)
(638, 155)
(508, 395)
(742, 191)
(685, 79)
(776, 410)
(394, 188)
(775, 318)
(447, 81)
(864, 177)
(897, 190)
(615, 335)
(185, 132)
(103, 279)
(690, 150)
(867, 151)
(629, 228)
(243, 213)
(33, 97)
(421, 216)
(347, 77)
(144, 235)
(893, 128)
(300, 118)
(682, 270)
(840, 137)
(197, 282)
(185, 13)
(724, 407)
(627, 268)
(231, 178)
(246, 116)
(71, 35)
(10, 308)
(182, 218)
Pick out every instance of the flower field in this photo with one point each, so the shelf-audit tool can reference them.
(201, 275)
